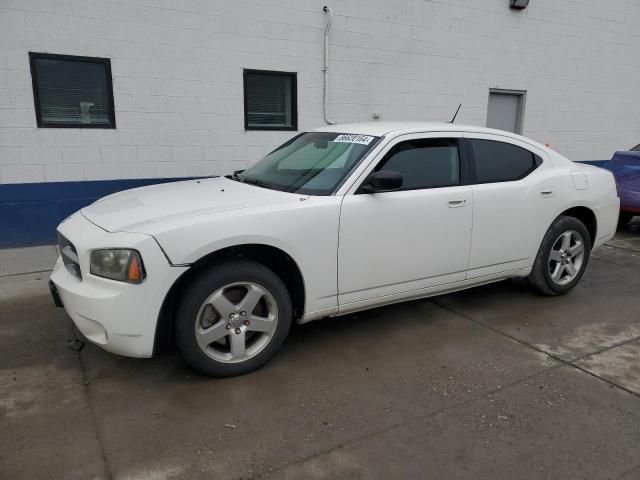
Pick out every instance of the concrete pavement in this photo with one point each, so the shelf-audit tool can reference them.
(493, 382)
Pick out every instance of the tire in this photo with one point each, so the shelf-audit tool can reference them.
(213, 332)
(551, 274)
(624, 218)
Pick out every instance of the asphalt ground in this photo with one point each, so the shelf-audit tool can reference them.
(493, 382)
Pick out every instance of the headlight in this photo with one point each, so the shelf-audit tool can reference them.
(118, 264)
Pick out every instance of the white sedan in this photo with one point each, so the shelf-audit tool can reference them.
(336, 220)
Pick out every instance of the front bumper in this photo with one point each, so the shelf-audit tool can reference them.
(119, 317)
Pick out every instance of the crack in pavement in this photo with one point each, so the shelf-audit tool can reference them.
(570, 363)
(24, 273)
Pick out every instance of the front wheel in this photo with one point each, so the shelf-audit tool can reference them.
(562, 258)
(233, 318)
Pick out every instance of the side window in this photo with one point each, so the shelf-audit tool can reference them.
(427, 163)
(501, 162)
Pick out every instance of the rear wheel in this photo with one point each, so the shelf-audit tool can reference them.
(562, 257)
(233, 318)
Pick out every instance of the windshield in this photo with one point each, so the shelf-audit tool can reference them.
(313, 163)
(636, 148)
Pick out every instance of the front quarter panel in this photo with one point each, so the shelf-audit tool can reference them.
(306, 230)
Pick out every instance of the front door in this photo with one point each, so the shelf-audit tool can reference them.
(398, 244)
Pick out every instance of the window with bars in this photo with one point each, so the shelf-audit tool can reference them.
(270, 100)
(71, 91)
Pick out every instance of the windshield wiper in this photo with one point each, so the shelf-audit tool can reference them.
(250, 180)
(235, 176)
(254, 181)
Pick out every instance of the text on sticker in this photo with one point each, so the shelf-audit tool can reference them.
(346, 138)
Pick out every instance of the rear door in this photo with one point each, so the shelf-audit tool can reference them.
(516, 196)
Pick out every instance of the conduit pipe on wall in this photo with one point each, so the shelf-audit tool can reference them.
(325, 68)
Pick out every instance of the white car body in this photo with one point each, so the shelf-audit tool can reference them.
(353, 252)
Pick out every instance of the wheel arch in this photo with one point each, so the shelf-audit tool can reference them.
(274, 258)
(586, 216)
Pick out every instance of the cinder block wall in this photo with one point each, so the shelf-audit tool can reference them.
(177, 75)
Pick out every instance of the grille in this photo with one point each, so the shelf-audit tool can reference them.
(69, 256)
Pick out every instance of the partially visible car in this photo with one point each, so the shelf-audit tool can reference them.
(625, 166)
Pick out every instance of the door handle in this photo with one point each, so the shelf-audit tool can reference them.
(548, 191)
(457, 201)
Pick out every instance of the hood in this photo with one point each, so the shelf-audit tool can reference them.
(133, 210)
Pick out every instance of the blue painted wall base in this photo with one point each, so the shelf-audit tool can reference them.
(30, 212)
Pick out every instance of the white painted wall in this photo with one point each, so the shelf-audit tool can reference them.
(177, 75)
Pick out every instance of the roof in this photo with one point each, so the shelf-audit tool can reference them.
(379, 128)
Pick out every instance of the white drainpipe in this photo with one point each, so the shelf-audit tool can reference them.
(325, 69)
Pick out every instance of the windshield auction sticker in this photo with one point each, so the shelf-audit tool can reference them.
(345, 138)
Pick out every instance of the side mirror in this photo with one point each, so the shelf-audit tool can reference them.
(382, 181)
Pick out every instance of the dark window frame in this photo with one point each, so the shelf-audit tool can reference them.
(34, 56)
(473, 177)
(463, 164)
(294, 99)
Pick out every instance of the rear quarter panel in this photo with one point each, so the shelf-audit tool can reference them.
(600, 196)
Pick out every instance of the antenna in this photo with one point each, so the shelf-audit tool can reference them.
(455, 114)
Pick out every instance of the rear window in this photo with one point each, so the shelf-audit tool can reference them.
(496, 161)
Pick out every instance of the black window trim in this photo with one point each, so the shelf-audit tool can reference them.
(472, 161)
(33, 56)
(463, 158)
(294, 99)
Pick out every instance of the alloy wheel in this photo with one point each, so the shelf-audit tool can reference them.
(566, 257)
(236, 322)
